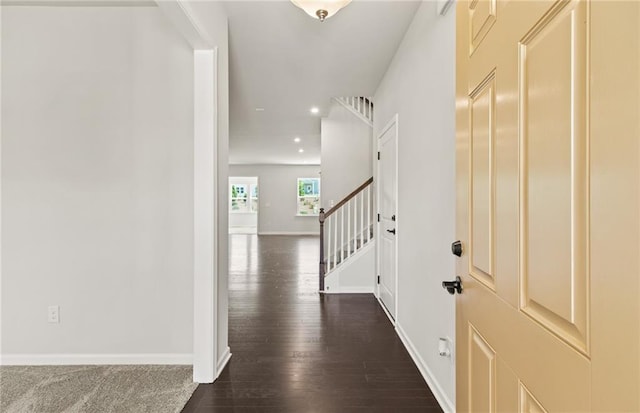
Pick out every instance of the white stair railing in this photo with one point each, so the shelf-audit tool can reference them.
(361, 106)
(348, 227)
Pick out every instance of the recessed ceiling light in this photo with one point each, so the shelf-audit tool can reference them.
(259, 109)
(300, 150)
(315, 110)
(296, 139)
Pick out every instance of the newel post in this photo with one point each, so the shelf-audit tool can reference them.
(322, 267)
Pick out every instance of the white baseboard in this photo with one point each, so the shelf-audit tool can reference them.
(445, 403)
(93, 359)
(289, 233)
(222, 363)
(243, 230)
(351, 290)
(393, 321)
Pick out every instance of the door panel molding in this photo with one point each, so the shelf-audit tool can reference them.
(528, 403)
(482, 365)
(482, 16)
(554, 176)
(482, 112)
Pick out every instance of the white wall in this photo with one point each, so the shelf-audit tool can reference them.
(97, 182)
(243, 220)
(278, 197)
(346, 147)
(420, 86)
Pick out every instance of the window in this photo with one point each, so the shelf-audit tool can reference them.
(308, 196)
(239, 198)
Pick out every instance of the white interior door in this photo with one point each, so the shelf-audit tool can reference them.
(387, 197)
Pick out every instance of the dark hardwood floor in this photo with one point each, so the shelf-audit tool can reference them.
(297, 351)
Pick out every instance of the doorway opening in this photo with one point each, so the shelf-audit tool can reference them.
(243, 205)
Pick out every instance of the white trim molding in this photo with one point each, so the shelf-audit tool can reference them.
(223, 361)
(93, 359)
(350, 290)
(389, 125)
(289, 233)
(445, 403)
(206, 200)
(205, 263)
(393, 322)
(176, 11)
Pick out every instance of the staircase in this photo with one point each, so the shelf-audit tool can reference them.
(361, 106)
(346, 230)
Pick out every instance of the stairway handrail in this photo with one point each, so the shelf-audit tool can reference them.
(325, 215)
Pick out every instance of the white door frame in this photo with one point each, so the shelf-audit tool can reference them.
(205, 213)
(258, 211)
(206, 366)
(392, 123)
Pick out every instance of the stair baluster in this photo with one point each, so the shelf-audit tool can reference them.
(360, 106)
(345, 235)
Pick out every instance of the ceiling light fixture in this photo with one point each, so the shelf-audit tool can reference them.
(315, 110)
(296, 139)
(300, 150)
(322, 9)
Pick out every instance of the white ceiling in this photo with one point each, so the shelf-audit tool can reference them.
(284, 61)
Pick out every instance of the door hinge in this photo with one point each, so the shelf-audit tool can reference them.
(378, 217)
(378, 279)
(378, 155)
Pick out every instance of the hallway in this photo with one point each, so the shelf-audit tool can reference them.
(296, 351)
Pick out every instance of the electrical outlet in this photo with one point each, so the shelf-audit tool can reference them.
(53, 314)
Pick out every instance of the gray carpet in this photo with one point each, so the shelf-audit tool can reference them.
(88, 389)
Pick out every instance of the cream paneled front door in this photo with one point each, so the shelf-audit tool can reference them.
(547, 205)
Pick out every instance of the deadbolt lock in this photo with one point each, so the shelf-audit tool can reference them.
(456, 248)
